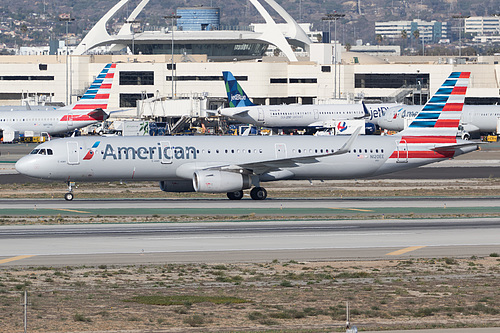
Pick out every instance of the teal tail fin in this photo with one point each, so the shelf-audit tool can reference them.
(235, 94)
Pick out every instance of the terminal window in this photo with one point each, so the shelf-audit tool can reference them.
(26, 78)
(203, 78)
(390, 80)
(304, 80)
(146, 78)
(130, 100)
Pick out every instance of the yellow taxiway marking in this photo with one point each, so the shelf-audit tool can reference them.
(355, 209)
(3, 261)
(405, 250)
(71, 210)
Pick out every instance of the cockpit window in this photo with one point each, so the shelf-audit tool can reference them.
(42, 151)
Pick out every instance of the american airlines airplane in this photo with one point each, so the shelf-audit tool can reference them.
(293, 115)
(475, 118)
(228, 164)
(88, 110)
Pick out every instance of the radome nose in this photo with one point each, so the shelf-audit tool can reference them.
(26, 166)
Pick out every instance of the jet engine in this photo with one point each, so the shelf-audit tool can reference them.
(216, 181)
(176, 186)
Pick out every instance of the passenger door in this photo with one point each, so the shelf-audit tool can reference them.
(402, 151)
(73, 156)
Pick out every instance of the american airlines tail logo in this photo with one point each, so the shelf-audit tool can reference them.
(91, 151)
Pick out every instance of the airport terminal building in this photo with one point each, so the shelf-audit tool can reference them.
(202, 51)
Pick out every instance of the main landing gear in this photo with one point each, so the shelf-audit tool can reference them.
(69, 196)
(257, 193)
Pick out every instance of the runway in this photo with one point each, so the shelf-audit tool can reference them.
(246, 241)
(297, 208)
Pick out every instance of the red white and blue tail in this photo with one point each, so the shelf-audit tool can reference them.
(97, 96)
(439, 118)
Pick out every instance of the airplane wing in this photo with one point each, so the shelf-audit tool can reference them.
(277, 164)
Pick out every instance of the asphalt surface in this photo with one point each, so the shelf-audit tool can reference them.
(247, 241)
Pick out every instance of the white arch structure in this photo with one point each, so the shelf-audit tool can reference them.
(98, 35)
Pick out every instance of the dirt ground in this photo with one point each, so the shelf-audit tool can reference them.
(273, 296)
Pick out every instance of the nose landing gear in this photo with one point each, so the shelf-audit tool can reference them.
(69, 196)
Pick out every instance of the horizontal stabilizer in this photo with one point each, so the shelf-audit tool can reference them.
(98, 114)
(458, 146)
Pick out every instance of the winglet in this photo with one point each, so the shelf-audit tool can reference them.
(366, 113)
(347, 146)
(235, 94)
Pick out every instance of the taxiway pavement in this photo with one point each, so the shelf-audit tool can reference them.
(247, 241)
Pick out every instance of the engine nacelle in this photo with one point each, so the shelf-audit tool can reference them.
(216, 181)
(176, 186)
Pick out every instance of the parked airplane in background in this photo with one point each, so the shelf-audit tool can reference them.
(293, 115)
(27, 107)
(227, 164)
(475, 118)
(88, 110)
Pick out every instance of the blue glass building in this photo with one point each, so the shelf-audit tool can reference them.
(198, 18)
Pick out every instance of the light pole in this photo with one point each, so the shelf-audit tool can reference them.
(460, 16)
(66, 18)
(132, 31)
(173, 17)
(334, 17)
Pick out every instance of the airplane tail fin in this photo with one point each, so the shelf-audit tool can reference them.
(235, 94)
(439, 118)
(97, 95)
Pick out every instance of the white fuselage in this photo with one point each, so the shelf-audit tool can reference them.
(178, 158)
(300, 116)
(38, 121)
(475, 118)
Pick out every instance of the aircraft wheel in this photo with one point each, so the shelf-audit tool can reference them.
(258, 193)
(68, 196)
(236, 195)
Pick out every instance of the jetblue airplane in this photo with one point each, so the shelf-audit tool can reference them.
(88, 110)
(293, 115)
(227, 164)
(475, 118)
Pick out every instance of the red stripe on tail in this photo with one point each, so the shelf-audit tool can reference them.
(447, 123)
(453, 107)
(429, 139)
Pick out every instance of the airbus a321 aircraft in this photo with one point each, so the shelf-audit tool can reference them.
(228, 164)
(88, 110)
(292, 115)
(475, 118)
